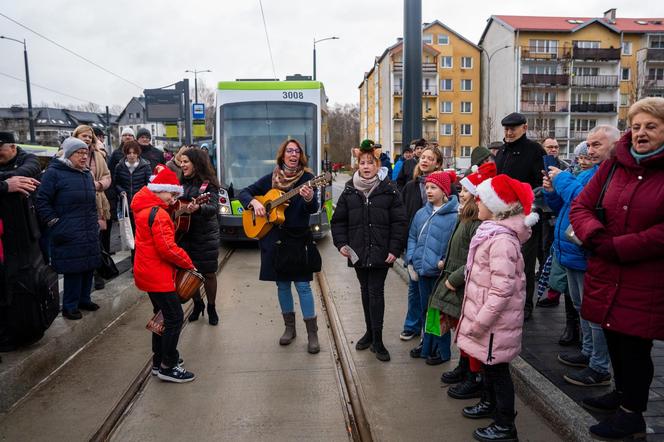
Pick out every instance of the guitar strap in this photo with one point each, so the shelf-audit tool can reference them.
(204, 186)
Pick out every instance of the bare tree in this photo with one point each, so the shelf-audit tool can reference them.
(343, 123)
(488, 124)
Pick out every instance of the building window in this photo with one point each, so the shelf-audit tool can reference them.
(465, 151)
(466, 129)
(466, 85)
(427, 38)
(443, 40)
(446, 107)
(466, 62)
(585, 44)
(656, 41)
(585, 72)
(447, 151)
(466, 107)
(446, 129)
(138, 115)
(624, 99)
(625, 74)
(627, 48)
(656, 74)
(446, 84)
(544, 46)
(131, 115)
(446, 62)
(583, 125)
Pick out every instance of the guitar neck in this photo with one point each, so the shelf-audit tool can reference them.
(288, 195)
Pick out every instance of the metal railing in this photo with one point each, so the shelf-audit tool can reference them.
(655, 54)
(596, 80)
(426, 67)
(598, 107)
(430, 91)
(548, 79)
(654, 83)
(538, 53)
(578, 134)
(551, 132)
(539, 106)
(596, 54)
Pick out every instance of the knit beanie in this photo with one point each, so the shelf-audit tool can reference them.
(581, 149)
(143, 132)
(128, 131)
(71, 145)
(479, 154)
(440, 179)
(165, 180)
(498, 194)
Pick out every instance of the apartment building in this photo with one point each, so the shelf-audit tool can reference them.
(450, 95)
(568, 74)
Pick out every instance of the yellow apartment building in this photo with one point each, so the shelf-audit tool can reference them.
(450, 95)
(568, 74)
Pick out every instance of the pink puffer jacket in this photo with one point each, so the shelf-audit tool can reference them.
(491, 320)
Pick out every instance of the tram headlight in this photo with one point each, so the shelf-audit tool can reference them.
(224, 210)
(316, 228)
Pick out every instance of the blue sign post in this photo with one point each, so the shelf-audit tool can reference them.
(198, 111)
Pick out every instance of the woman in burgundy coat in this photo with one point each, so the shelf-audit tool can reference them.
(623, 290)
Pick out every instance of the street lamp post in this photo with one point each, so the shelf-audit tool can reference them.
(195, 72)
(488, 77)
(318, 41)
(31, 121)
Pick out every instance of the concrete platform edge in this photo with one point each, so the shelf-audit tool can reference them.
(25, 368)
(564, 415)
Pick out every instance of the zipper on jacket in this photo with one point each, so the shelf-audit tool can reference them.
(490, 357)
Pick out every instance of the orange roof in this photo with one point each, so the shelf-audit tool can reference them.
(569, 24)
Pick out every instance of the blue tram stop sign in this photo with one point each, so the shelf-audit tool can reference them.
(198, 111)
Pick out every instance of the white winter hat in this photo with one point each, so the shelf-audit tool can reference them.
(128, 131)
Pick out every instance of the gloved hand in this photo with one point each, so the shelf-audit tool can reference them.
(602, 246)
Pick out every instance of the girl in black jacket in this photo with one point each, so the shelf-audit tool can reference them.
(201, 241)
(132, 172)
(370, 222)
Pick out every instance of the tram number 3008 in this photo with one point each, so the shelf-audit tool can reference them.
(292, 95)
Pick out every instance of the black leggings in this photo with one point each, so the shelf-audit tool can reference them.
(372, 286)
(165, 347)
(498, 381)
(632, 368)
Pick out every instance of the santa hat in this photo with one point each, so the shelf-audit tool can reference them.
(498, 194)
(481, 173)
(442, 180)
(165, 180)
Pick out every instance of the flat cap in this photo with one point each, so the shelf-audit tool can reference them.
(7, 137)
(514, 119)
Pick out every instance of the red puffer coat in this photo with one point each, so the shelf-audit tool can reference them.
(625, 293)
(157, 256)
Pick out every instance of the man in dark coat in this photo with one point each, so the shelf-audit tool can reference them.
(149, 152)
(18, 173)
(408, 168)
(521, 158)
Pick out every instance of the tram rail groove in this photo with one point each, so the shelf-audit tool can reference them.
(360, 428)
(130, 395)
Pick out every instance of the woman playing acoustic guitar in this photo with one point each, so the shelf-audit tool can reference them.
(201, 241)
(290, 171)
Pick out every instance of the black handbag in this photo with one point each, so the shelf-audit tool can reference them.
(296, 253)
(108, 269)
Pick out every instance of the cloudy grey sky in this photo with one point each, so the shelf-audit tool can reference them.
(152, 42)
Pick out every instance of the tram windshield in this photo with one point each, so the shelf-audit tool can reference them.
(250, 134)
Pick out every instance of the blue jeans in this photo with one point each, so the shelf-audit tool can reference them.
(413, 322)
(304, 292)
(593, 342)
(76, 289)
(432, 345)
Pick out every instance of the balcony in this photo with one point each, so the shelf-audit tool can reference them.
(599, 107)
(544, 133)
(426, 67)
(596, 54)
(430, 135)
(655, 54)
(579, 134)
(596, 81)
(538, 106)
(538, 53)
(653, 83)
(545, 79)
(430, 91)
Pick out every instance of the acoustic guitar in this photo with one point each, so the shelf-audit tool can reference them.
(181, 218)
(275, 202)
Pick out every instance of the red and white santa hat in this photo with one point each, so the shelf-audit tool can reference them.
(480, 174)
(498, 194)
(165, 180)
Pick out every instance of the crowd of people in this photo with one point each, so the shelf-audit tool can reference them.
(521, 221)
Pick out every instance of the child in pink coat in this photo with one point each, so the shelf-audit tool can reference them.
(491, 321)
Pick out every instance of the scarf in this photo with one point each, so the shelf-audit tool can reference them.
(643, 156)
(485, 231)
(367, 185)
(423, 193)
(283, 178)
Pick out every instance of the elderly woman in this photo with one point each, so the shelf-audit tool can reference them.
(66, 204)
(290, 172)
(619, 218)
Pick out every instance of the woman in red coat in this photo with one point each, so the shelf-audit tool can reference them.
(623, 291)
(156, 262)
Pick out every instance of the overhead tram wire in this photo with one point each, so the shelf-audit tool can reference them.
(70, 51)
(267, 37)
(47, 88)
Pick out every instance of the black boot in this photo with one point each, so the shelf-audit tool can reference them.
(495, 432)
(377, 346)
(199, 309)
(486, 407)
(571, 333)
(213, 317)
(621, 425)
(365, 341)
(470, 388)
(458, 374)
(99, 282)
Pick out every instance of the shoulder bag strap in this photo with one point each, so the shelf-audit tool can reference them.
(606, 185)
(153, 214)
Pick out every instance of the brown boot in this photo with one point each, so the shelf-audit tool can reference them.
(289, 333)
(312, 333)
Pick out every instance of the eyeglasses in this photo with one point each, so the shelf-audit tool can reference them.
(293, 151)
(83, 153)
